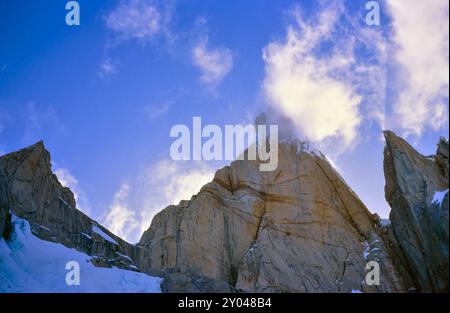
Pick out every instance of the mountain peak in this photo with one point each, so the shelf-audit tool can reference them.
(299, 228)
(253, 225)
(412, 181)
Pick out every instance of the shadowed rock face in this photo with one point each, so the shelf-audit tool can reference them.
(29, 190)
(419, 223)
(297, 229)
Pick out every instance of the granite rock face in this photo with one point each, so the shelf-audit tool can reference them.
(30, 190)
(417, 191)
(297, 229)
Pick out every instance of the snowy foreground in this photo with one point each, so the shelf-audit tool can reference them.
(29, 264)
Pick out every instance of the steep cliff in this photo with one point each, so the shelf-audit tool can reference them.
(30, 190)
(417, 191)
(297, 229)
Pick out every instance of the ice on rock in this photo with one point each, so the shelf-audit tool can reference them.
(439, 196)
(105, 236)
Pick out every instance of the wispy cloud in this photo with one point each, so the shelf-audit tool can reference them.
(108, 67)
(164, 183)
(120, 219)
(321, 90)
(136, 19)
(140, 20)
(214, 63)
(154, 112)
(40, 118)
(421, 36)
(69, 181)
(163, 103)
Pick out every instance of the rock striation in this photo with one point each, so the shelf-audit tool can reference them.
(417, 191)
(297, 229)
(30, 190)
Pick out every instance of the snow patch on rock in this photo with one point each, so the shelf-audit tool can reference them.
(104, 235)
(439, 196)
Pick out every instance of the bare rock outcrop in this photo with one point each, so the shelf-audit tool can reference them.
(417, 191)
(30, 190)
(297, 229)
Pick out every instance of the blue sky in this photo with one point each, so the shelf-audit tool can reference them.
(103, 95)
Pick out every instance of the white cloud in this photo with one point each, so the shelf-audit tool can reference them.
(421, 33)
(214, 64)
(165, 183)
(120, 219)
(138, 19)
(141, 20)
(68, 180)
(321, 93)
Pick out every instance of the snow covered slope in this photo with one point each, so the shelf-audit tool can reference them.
(29, 264)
